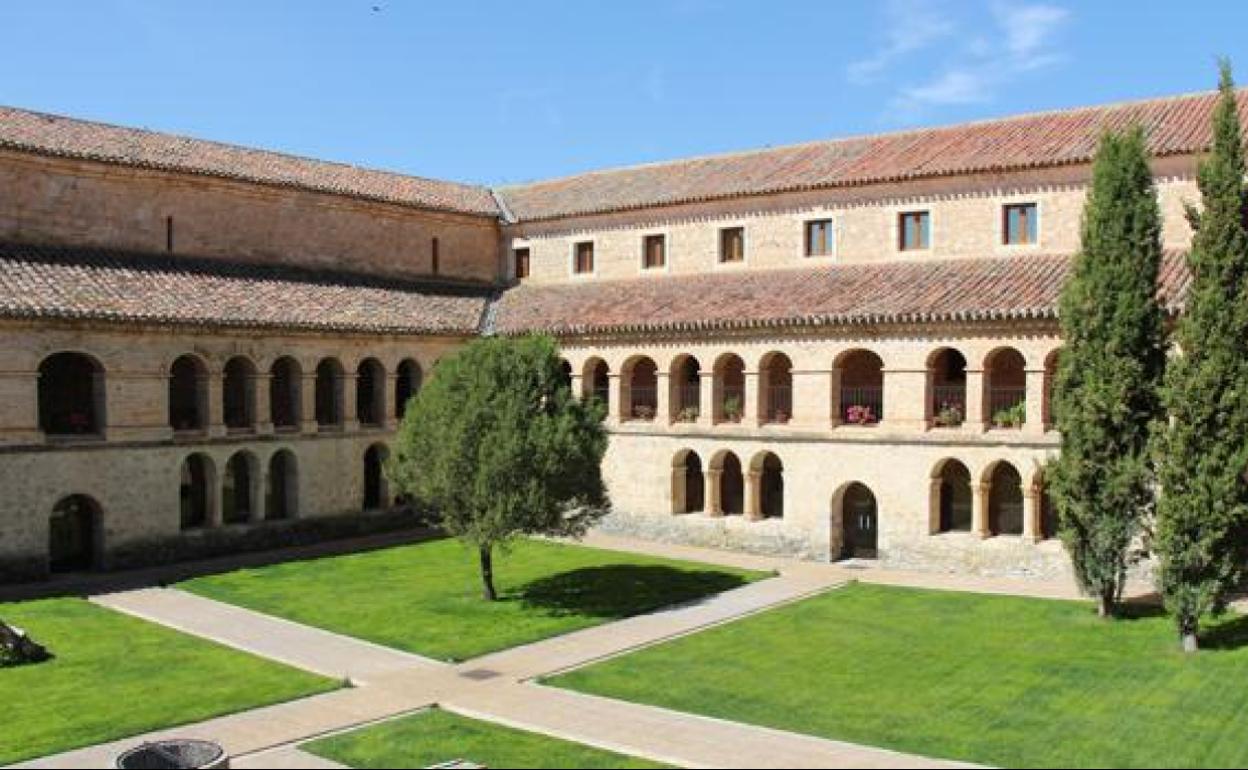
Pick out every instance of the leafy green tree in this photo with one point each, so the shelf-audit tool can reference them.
(1106, 395)
(1203, 452)
(497, 447)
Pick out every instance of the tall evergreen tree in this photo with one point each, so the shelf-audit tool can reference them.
(1106, 396)
(1203, 452)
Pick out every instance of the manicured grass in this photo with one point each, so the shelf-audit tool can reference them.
(426, 598)
(437, 736)
(996, 680)
(113, 676)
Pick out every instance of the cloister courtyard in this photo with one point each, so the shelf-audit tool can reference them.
(617, 653)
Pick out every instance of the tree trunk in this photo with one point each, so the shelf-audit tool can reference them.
(1189, 643)
(487, 573)
(1187, 634)
(1105, 607)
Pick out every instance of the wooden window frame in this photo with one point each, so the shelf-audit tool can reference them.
(922, 215)
(576, 257)
(829, 240)
(1030, 215)
(661, 240)
(516, 262)
(724, 233)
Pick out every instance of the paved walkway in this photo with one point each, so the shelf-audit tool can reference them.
(499, 687)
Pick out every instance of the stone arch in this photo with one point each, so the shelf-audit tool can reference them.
(728, 391)
(1005, 388)
(855, 522)
(370, 393)
(197, 492)
(407, 381)
(1004, 486)
(286, 394)
(858, 387)
(639, 389)
(376, 486)
(282, 486)
(946, 388)
(688, 491)
(726, 468)
(596, 380)
(71, 395)
(1051, 363)
(240, 488)
(329, 412)
(952, 500)
(775, 391)
(75, 534)
(685, 383)
(238, 394)
(767, 478)
(188, 393)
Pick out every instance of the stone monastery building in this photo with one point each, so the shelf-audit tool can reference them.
(841, 348)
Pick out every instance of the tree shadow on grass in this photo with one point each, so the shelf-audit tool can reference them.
(1227, 633)
(622, 590)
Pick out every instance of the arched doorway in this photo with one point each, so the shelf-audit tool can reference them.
(859, 523)
(328, 394)
(238, 403)
(640, 380)
(370, 396)
(375, 492)
(1005, 388)
(188, 394)
(71, 395)
(946, 383)
(237, 492)
(1005, 500)
(775, 377)
(283, 485)
(688, 493)
(731, 484)
(196, 491)
(953, 497)
(596, 381)
(771, 486)
(286, 394)
(73, 534)
(406, 385)
(686, 389)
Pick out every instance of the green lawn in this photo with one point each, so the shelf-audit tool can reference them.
(996, 680)
(426, 598)
(113, 676)
(437, 736)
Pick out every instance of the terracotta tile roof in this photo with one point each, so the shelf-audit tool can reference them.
(72, 138)
(57, 283)
(1175, 125)
(962, 290)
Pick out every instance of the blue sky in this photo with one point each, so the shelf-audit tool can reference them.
(512, 91)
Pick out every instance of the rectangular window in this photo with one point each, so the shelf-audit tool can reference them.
(521, 257)
(654, 251)
(732, 244)
(434, 257)
(1021, 224)
(819, 238)
(915, 229)
(584, 257)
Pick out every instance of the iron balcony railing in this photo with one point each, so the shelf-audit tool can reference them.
(645, 402)
(688, 402)
(732, 403)
(1006, 405)
(779, 403)
(948, 405)
(862, 405)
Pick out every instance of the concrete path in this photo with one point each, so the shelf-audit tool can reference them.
(311, 649)
(499, 687)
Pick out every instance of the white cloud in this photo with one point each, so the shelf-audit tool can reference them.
(912, 26)
(1027, 28)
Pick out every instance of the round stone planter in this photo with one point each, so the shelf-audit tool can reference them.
(174, 754)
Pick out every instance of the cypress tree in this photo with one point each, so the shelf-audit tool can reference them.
(1203, 452)
(1106, 396)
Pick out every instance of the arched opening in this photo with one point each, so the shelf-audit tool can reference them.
(687, 483)
(375, 487)
(286, 394)
(860, 387)
(188, 394)
(282, 492)
(407, 381)
(731, 484)
(329, 394)
(238, 494)
(686, 387)
(859, 523)
(770, 485)
(729, 388)
(370, 393)
(596, 381)
(565, 373)
(1051, 364)
(71, 395)
(74, 534)
(946, 376)
(775, 375)
(954, 501)
(238, 394)
(196, 491)
(1005, 500)
(1048, 515)
(641, 389)
(1005, 388)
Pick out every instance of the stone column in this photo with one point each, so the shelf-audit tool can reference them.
(614, 398)
(975, 418)
(754, 495)
(706, 398)
(389, 407)
(1031, 514)
(213, 514)
(662, 399)
(751, 406)
(979, 501)
(714, 504)
(933, 506)
(264, 409)
(350, 385)
(578, 385)
(216, 403)
(1035, 402)
(307, 403)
